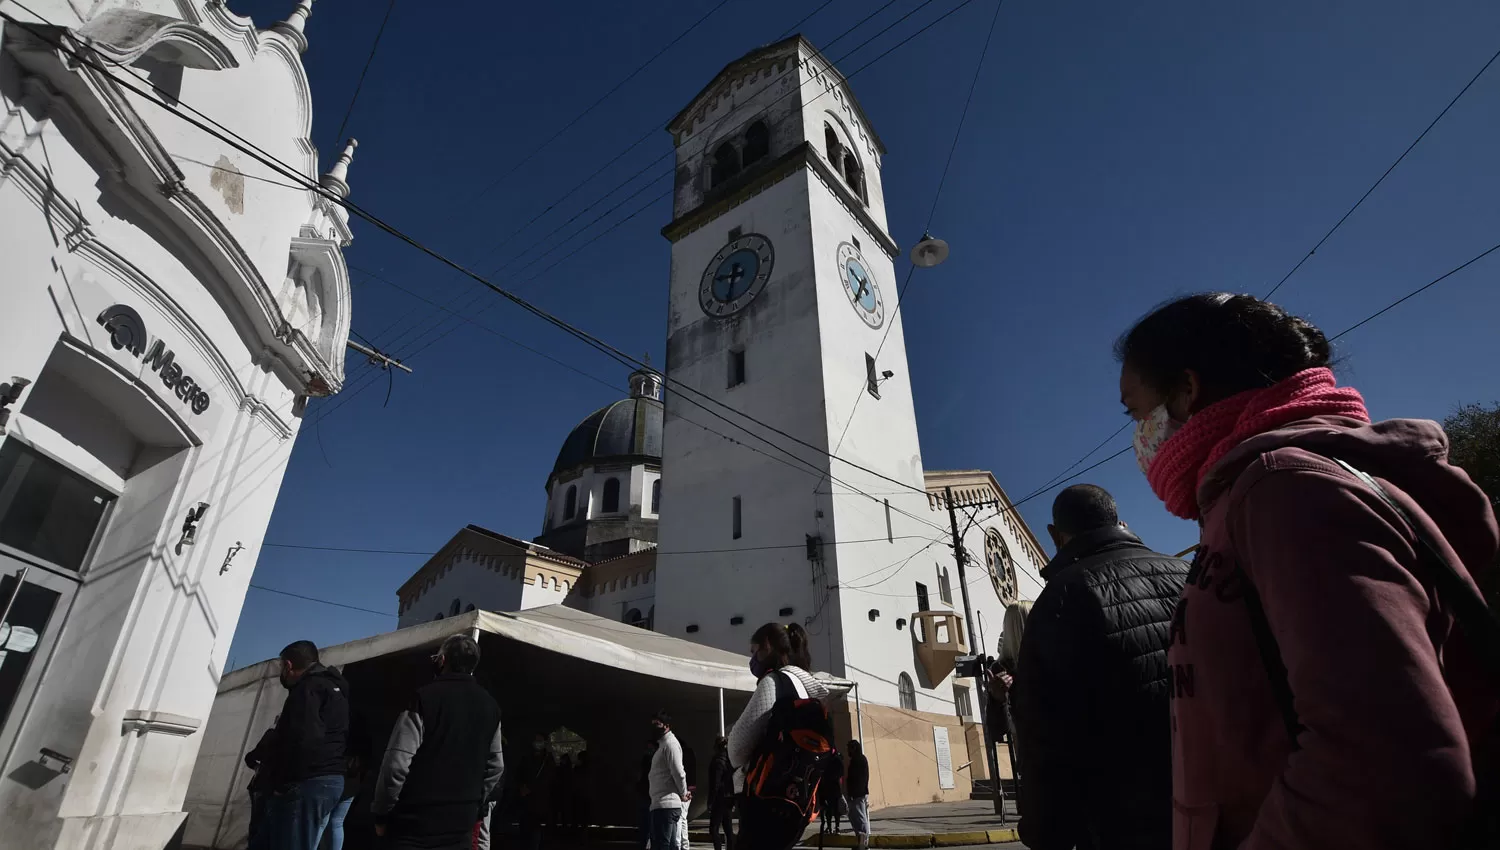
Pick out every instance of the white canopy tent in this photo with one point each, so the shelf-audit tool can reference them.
(548, 667)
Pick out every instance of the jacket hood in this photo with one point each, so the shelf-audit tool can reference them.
(1411, 454)
(333, 676)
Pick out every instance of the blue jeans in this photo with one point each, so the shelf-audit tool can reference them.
(665, 826)
(333, 839)
(297, 814)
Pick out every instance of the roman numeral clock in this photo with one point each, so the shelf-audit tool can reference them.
(736, 275)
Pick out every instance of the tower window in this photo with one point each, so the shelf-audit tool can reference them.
(945, 585)
(611, 496)
(570, 502)
(735, 233)
(736, 367)
(872, 378)
(922, 602)
(453, 608)
(726, 163)
(890, 535)
(835, 150)
(962, 705)
(757, 142)
(656, 496)
(737, 527)
(854, 175)
(908, 692)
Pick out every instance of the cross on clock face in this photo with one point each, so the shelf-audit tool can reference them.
(860, 286)
(736, 275)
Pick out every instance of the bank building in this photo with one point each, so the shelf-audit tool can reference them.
(166, 313)
(667, 536)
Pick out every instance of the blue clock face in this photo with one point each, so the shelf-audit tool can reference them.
(860, 286)
(736, 275)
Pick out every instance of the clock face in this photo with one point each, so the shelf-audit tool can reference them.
(860, 286)
(736, 275)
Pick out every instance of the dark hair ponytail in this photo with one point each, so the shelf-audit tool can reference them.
(1234, 343)
(789, 644)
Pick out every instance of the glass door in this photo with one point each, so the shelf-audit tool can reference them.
(34, 603)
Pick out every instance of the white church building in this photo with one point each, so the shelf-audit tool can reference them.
(166, 313)
(661, 514)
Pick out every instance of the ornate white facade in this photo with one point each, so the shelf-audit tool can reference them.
(168, 309)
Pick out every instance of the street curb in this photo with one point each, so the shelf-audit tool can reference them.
(921, 839)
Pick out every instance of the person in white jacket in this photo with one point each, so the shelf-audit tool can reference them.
(668, 787)
(776, 651)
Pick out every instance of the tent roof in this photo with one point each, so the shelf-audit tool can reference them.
(559, 629)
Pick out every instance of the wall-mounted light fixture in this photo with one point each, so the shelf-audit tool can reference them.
(190, 525)
(233, 550)
(10, 393)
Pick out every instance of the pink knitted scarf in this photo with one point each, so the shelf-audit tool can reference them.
(1189, 455)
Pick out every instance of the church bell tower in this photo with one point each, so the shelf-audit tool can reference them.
(783, 306)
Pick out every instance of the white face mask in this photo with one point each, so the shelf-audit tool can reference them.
(1151, 433)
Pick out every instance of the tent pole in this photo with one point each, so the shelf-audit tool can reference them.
(721, 713)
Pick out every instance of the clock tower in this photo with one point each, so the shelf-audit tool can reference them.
(783, 306)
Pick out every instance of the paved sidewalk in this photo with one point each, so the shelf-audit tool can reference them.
(960, 824)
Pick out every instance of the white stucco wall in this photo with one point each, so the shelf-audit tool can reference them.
(470, 581)
(88, 224)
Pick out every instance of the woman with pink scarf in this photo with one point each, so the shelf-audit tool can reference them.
(1325, 694)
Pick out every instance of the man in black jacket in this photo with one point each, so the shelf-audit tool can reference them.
(306, 760)
(1090, 697)
(857, 786)
(443, 761)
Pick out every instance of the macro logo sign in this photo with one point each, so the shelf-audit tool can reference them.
(128, 333)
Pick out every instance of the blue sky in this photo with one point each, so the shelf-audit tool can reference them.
(1116, 154)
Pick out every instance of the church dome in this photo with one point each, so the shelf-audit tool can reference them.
(629, 429)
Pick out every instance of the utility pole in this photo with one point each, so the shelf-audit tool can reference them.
(998, 795)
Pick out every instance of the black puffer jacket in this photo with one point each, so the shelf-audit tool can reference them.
(312, 734)
(1090, 700)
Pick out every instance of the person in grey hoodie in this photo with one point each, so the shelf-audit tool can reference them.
(443, 761)
(669, 788)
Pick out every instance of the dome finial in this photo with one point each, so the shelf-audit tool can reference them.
(295, 25)
(336, 180)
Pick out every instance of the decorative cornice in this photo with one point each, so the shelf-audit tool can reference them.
(140, 722)
(754, 182)
(123, 36)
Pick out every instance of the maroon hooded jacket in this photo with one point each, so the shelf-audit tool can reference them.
(1385, 690)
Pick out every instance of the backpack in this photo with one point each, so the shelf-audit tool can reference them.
(1472, 616)
(792, 756)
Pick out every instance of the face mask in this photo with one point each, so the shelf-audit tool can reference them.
(757, 667)
(1151, 433)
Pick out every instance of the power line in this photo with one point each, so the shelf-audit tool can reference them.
(1418, 291)
(1376, 184)
(932, 213)
(262, 587)
(369, 60)
(590, 108)
(430, 553)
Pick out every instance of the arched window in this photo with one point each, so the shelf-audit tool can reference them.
(835, 150)
(453, 608)
(726, 163)
(438, 617)
(469, 607)
(908, 692)
(633, 618)
(570, 503)
(612, 496)
(757, 142)
(656, 496)
(854, 176)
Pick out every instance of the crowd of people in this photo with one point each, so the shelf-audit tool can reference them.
(1325, 673)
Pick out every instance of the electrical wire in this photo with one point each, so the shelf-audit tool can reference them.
(932, 212)
(1370, 191)
(658, 552)
(369, 60)
(265, 589)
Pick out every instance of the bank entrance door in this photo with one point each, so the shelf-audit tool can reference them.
(33, 605)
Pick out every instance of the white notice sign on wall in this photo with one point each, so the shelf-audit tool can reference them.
(944, 757)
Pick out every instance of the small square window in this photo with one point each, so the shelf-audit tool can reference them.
(736, 367)
(855, 240)
(735, 233)
(737, 528)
